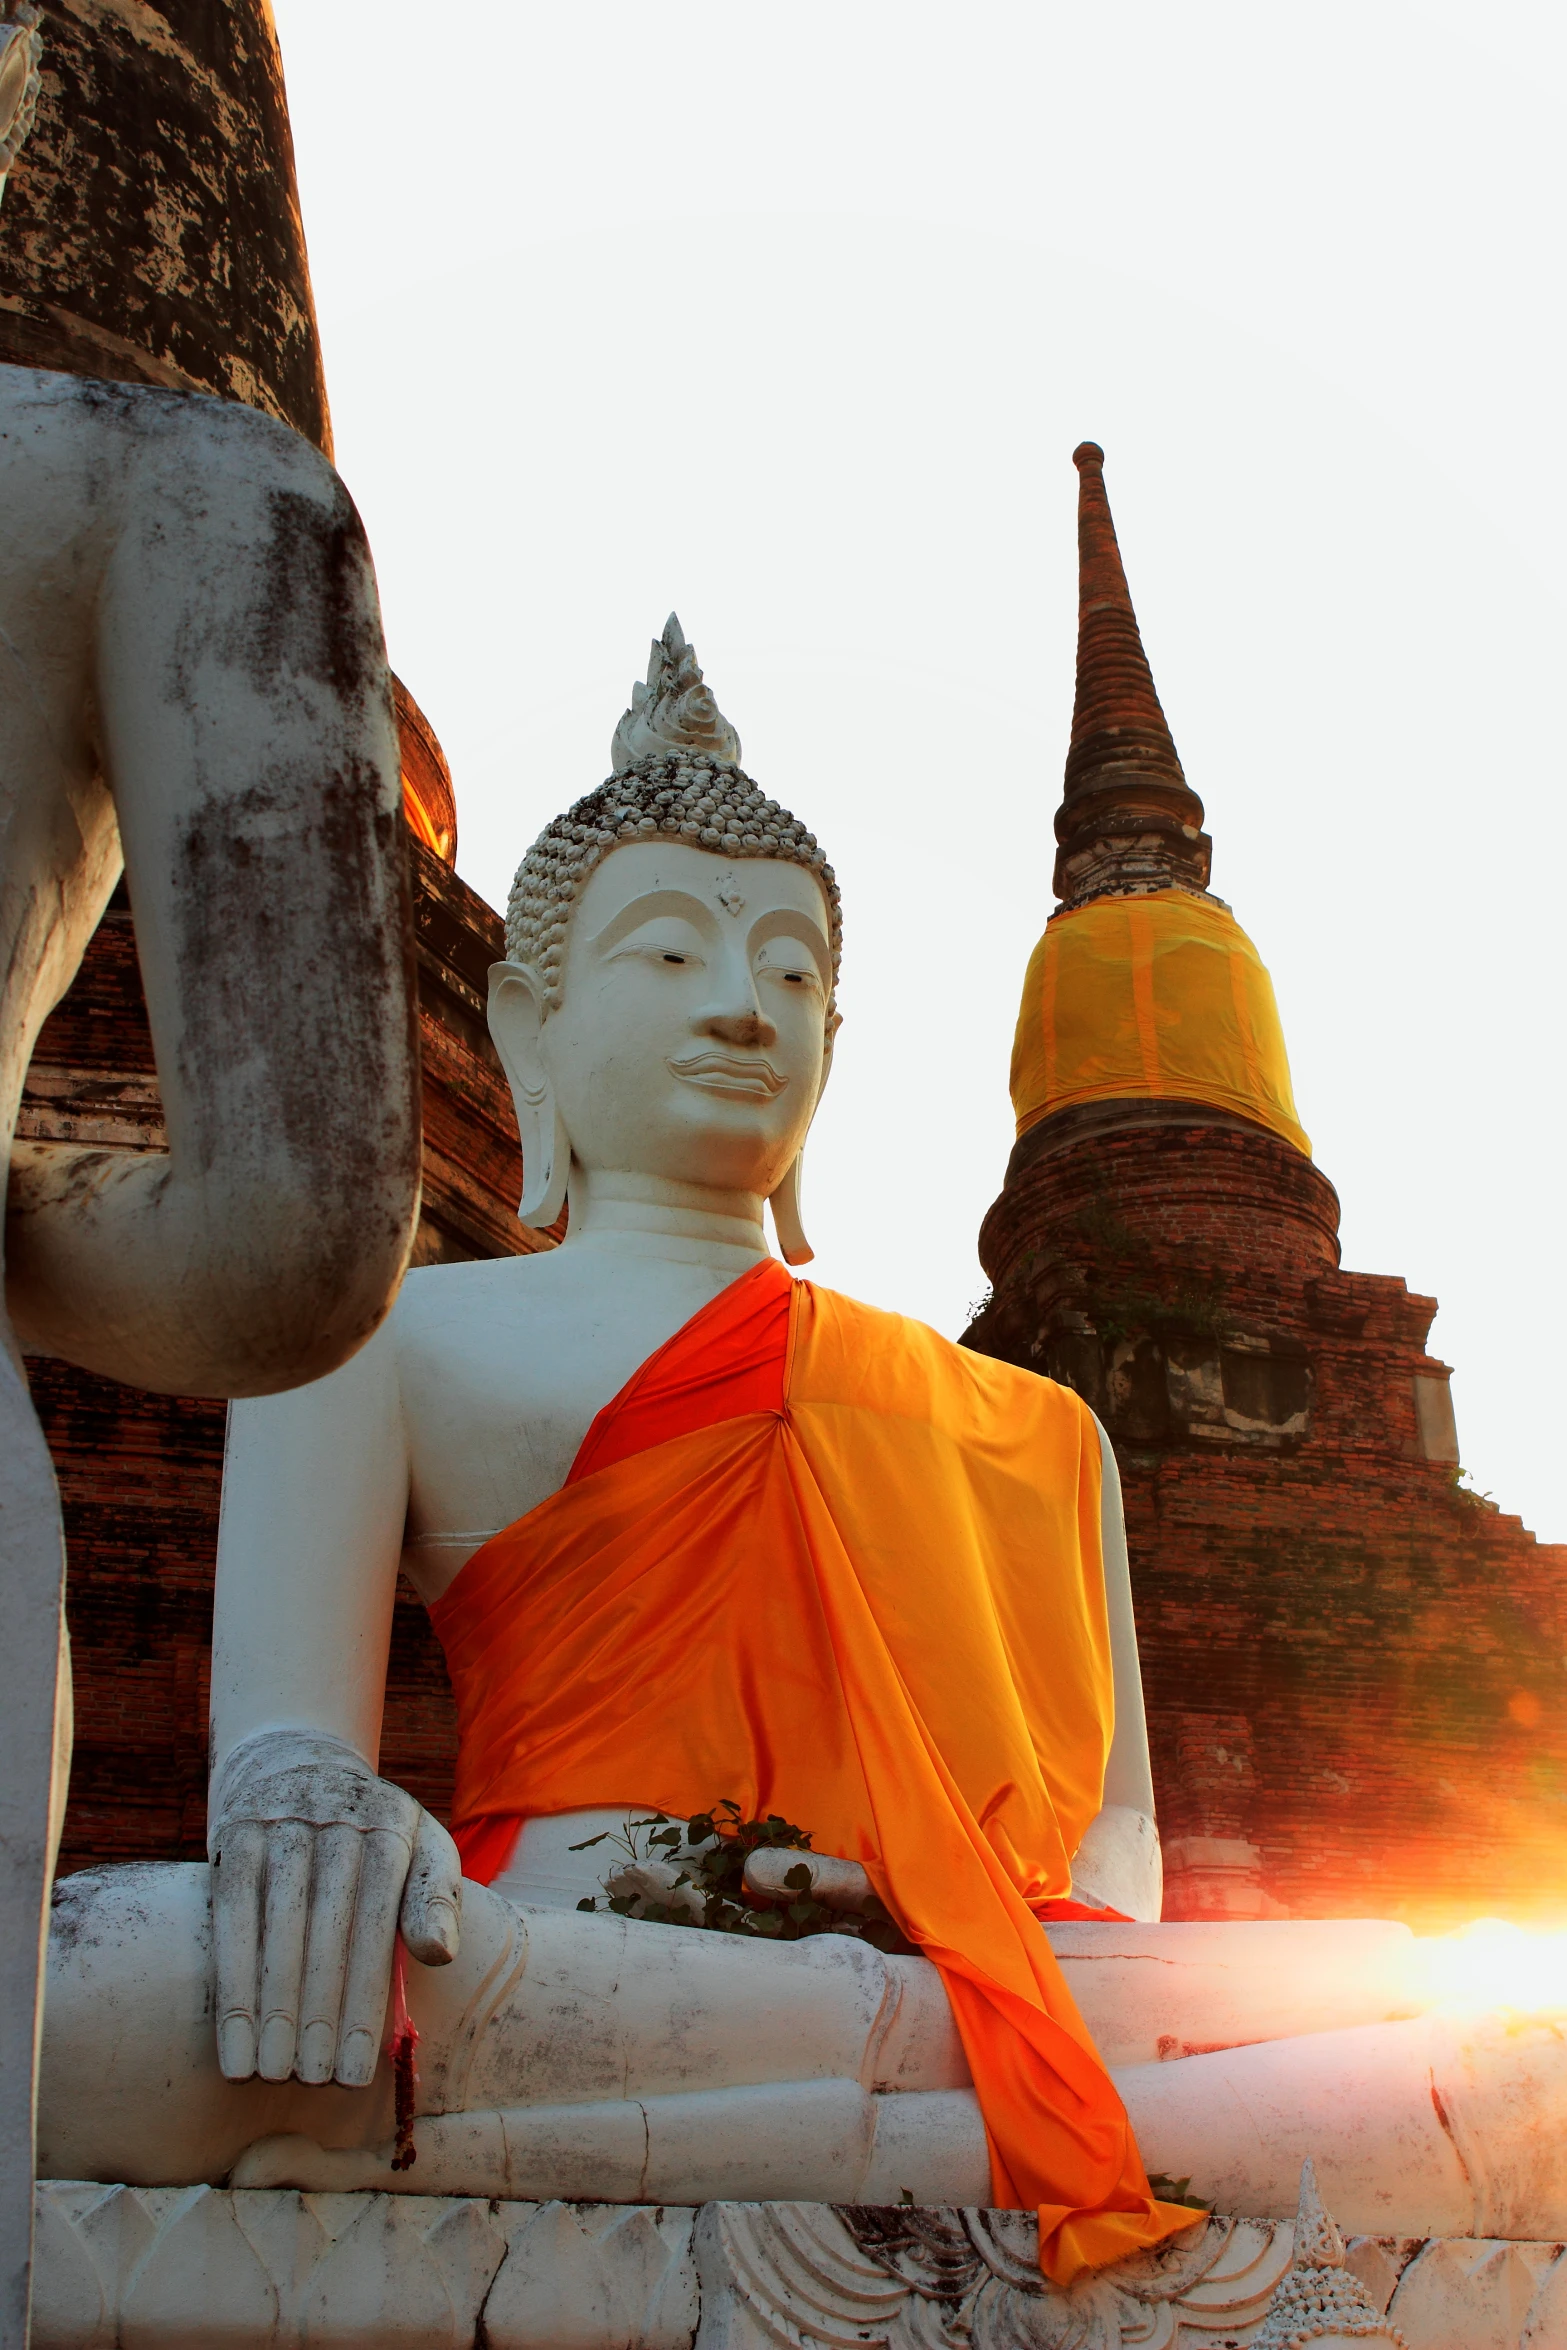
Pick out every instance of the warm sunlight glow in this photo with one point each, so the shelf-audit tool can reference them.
(1492, 1964)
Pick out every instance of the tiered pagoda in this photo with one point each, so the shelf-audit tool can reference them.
(1355, 1667)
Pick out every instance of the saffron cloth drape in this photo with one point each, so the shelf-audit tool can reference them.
(817, 1559)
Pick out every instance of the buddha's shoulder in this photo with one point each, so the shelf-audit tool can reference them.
(878, 1343)
(437, 1297)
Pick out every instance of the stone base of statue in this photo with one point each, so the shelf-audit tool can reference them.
(272, 2269)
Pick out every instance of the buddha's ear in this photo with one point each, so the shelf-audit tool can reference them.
(785, 1202)
(517, 1010)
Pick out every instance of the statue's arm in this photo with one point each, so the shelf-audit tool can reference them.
(1117, 1864)
(317, 1861)
(244, 726)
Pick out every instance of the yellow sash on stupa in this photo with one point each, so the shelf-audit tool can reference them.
(1158, 997)
(819, 1560)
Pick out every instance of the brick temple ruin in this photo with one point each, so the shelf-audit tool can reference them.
(1354, 1665)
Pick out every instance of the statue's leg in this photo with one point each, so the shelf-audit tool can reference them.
(1447, 2125)
(824, 2141)
(540, 2010)
(129, 2086)
(570, 2056)
(573, 2055)
(35, 1756)
(1152, 1992)
(551, 2007)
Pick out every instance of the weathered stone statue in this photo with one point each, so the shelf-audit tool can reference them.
(194, 687)
(691, 1530)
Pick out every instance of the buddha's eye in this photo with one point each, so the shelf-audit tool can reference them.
(790, 962)
(663, 938)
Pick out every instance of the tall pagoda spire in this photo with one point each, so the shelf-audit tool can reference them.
(1129, 822)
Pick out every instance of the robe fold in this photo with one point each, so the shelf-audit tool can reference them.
(821, 1561)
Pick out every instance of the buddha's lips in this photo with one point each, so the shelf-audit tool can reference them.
(739, 1073)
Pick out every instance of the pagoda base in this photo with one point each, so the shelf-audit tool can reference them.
(202, 2268)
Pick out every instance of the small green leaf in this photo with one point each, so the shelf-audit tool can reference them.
(798, 1879)
(590, 1903)
(1167, 2190)
(588, 1842)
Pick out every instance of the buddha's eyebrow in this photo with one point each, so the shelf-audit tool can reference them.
(645, 908)
(793, 922)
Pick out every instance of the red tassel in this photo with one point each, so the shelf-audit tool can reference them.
(405, 2065)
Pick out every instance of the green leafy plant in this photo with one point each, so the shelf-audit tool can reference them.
(1168, 2190)
(691, 1873)
(1468, 1494)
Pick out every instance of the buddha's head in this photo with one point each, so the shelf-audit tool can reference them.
(666, 1009)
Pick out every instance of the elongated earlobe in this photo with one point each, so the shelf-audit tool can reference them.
(546, 1164)
(516, 1017)
(787, 1223)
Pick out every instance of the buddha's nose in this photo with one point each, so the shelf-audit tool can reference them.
(742, 1028)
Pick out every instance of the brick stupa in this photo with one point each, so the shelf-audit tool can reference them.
(1355, 1667)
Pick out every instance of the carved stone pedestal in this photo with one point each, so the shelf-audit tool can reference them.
(196, 2268)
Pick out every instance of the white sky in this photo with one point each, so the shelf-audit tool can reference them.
(791, 317)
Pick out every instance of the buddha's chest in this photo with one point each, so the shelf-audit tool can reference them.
(501, 1382)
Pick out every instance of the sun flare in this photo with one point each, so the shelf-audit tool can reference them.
(1493, 1964)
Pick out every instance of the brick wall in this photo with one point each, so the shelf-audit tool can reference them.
(1356, 1670)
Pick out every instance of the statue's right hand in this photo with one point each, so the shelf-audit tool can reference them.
(317, 1865)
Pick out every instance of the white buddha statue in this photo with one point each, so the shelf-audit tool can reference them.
(692, 1530)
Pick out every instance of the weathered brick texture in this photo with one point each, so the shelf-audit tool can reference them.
(1356, 1670)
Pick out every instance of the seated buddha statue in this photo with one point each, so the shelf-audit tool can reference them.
(691, 1528)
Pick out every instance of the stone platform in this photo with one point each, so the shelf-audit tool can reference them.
(198, 2268)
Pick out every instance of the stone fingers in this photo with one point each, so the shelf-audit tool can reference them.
(432, 1901)
(333, 1894)
(383, 1870)
(286, 1915)
(305, 1921)
(237, 1895)
(838, 1884)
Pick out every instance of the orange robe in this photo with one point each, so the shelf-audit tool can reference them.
(819, 1560)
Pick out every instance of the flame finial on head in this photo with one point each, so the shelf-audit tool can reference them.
(677, 775)
(1318, 2298)
(675, 710)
